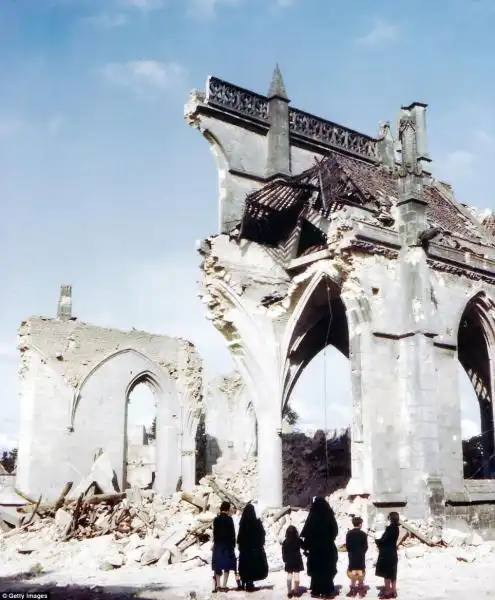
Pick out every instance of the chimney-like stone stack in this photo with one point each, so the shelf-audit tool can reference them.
(64, 307)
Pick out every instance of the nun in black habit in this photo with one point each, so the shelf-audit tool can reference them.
(318, 540)
(253, 564)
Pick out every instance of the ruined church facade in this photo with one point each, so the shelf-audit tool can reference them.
(329, 236)
(76, 381)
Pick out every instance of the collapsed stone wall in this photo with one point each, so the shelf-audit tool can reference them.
(230, 422)
(75, 381)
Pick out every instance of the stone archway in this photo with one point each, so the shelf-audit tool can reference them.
(475, 340)
(272, 337)
(107, 386)
(326, 314)
(140, 432)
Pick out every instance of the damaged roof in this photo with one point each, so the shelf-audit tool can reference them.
(271, 213)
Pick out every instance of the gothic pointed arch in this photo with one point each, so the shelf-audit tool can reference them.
(146, 369)
(318, 319)
(475, 340)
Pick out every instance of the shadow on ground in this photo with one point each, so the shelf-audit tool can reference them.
(24, 583)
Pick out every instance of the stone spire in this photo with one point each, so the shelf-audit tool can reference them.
(412, 203)
(386, 145)
(277, 87)
(278, 137)
(64, 308)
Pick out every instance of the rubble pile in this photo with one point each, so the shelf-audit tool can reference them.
(316, 466)
(141, 528)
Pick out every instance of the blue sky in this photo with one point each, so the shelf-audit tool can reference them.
(104, 186)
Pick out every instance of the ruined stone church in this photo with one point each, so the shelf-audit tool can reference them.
(330, 236)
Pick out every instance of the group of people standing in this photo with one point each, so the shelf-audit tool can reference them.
(316, 541)
(253, 564)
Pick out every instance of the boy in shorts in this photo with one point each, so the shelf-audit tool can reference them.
(357, 545)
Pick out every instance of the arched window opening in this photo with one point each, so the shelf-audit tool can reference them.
(476, 402)
(140, 451)
(317, 416)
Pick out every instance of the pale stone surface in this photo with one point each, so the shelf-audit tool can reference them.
(230, 421)
(396, 298)
(75, 380)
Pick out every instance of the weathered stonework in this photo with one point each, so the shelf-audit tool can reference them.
(353, 247)
(76, 379)
(230, 422)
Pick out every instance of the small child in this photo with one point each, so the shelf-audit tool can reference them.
(356, 543)
(386, 564)
(291, 555)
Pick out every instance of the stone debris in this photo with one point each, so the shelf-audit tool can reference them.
(141, 528)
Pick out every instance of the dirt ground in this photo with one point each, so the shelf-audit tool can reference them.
(438, 575)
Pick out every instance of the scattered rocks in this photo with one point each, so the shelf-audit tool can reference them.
(153, 552)
(415, 552)
(474, 539)
(466, 556)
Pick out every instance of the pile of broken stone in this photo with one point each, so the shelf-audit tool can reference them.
(141, 527)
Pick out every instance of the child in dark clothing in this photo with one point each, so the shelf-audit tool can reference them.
(223, 559)
(386, 564)
(291, 555)
(356, 543)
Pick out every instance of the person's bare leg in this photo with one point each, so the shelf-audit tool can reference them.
(393, 588)
(216, 582)
(352, 585)
(289, 584)
(225, 578)
(360, 586)
(296, 583)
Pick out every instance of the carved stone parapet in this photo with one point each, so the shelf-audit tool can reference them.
(250, 105)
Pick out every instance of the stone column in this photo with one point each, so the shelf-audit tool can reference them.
(188, 469)
(167, 468)
(449, 416)
(416, 357)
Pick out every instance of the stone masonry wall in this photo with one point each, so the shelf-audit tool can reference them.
(75, 379)
(230, 422)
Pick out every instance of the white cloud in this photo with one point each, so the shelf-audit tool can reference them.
(380, 33)
(143, 5)
(107, 21)
(144, 76)
(208, 8)
(457, 164)
(486, 138)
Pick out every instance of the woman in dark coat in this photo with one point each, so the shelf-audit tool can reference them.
(223, 559)
(318, 540)
(386, 564)
(253, 564)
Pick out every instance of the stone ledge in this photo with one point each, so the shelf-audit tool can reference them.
(390, 499)
(475, 491)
